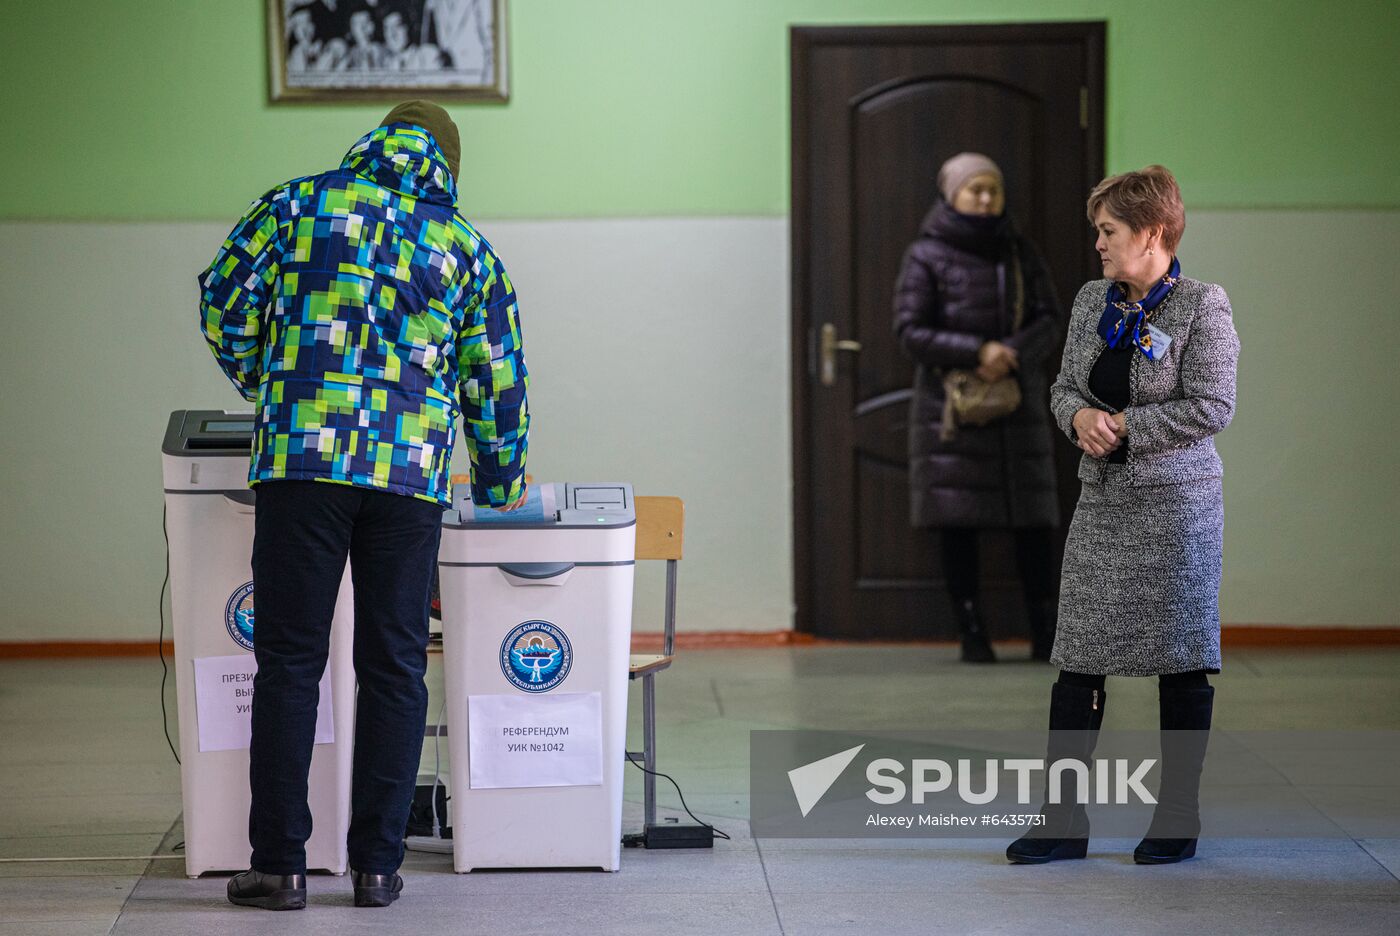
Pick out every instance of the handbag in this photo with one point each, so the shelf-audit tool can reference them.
(968, 400)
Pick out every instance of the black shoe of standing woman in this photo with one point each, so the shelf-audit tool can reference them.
(976, 647)
(268, 891)
(1164, 851)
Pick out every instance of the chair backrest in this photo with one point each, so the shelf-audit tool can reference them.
(661, 535)
(660, 527)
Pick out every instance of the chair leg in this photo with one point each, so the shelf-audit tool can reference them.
(649, 749)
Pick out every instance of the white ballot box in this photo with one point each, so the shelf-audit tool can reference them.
(209, 523)
(536, 627)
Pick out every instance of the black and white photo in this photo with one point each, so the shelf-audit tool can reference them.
(327, 50)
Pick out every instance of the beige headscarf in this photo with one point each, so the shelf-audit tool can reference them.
(957, 171)
(435, 120)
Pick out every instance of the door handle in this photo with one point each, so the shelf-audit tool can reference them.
(829, 345)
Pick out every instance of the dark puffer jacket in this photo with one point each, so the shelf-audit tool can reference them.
(956, 292)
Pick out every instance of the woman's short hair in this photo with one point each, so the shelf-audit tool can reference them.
(1143, 199)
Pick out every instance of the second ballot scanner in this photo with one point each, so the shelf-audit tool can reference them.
(537, 622)
(209, 512)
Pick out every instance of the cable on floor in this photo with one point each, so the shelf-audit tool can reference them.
(160, 641)
(655, 773)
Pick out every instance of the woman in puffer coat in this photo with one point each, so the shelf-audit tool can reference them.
(956, 308)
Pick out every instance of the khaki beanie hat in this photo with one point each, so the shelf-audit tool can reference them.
(435, 120)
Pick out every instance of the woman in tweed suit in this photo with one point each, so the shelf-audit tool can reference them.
(1147, 379)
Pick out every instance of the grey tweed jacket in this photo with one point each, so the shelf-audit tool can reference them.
(1177, 402)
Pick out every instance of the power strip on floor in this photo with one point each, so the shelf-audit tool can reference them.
(672, 835)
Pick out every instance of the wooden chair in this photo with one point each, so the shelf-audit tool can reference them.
(660, 535)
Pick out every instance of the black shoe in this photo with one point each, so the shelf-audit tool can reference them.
(1164, 851)
(976, 648)
(1042, 615)
(268, 891)
(1064, 834)
(376, 890)
(1029, 849)
(1076, 714)
(1185, 716)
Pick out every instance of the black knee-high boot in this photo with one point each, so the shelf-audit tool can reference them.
(1076, 714)
(1176, 822)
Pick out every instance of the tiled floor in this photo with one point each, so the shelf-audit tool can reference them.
(86, 773)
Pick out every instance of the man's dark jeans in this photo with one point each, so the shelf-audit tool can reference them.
(305, 531)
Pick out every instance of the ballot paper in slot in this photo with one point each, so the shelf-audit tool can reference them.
(540, 507)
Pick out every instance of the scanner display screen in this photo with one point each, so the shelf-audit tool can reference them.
(227, 425)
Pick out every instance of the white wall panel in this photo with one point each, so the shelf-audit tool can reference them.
(658, 354)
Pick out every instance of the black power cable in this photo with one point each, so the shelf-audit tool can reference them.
(655, 773)
(160, 643)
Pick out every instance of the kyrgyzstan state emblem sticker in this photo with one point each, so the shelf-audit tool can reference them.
(238, 616)
(536, 656)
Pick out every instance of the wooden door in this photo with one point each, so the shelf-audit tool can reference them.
(875, 112)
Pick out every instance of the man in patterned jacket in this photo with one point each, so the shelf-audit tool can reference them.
(361, 314)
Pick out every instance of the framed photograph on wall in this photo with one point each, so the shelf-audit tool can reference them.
(386, 50)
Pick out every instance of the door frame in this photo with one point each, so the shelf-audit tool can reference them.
(801, 42)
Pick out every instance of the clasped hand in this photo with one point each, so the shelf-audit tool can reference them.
(996, 360)
(1099, 432)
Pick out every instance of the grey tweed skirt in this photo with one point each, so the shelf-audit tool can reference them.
(1140, 587)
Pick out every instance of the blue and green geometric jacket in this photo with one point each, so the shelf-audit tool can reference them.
(359, 311)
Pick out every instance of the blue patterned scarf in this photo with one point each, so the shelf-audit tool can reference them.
(1123, 321)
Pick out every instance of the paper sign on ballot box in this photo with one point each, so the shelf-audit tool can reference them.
(528, 741)
(223, 690)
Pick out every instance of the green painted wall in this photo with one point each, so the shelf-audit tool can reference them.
(156, 110)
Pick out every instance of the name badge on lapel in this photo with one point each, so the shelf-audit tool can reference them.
(1161, 341)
